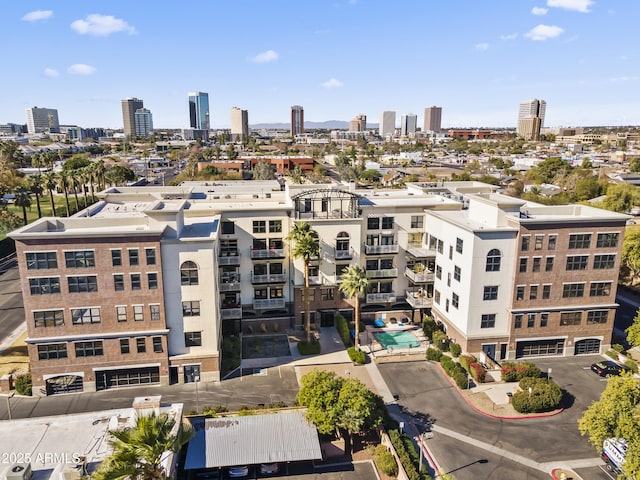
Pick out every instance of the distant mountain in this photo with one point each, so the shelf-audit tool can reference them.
(327, 125)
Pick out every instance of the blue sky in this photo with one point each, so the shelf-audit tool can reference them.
(477, 59)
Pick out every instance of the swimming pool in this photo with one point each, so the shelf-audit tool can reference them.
(399, 339)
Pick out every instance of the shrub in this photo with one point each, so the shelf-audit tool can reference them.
(428, 327)
(545, 395)
(23, 384)
(617, 347)
(386, 462)
(455, 349)
(408, 456)
(632, 365)
(208, 411)
(434, 354)
(613, 354)
(309, 348)
(466, 360)
(440, 340)
(513, 372)
(478, 372)
(447, 364)
(356, 356)
(461, 379)
(343, 330)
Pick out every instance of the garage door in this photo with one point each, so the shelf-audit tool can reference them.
(127, 377)
(540, 348)
(587, 346)
(64, 384)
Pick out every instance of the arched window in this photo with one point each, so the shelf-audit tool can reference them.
(342, 243)
(493, 260)
(189, 273)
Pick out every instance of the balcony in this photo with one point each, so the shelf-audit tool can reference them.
(381, 297)
(268, 303)
(269, 278)
(267, 253)
(419, 277)
(384, 273)
(229, 258)
(231, 313)
(378, 249)
(420, 252)
(343, 254)
(419, 299)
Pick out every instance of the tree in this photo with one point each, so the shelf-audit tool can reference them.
(263, 171)
(633, 331)
(76, 162)
(306, 247)
(296, 175)
(138, 452)
(355, 284)
(23, 199)
(118, 175)
(50, 183)
(35, 186)
(621, 198)
(631, 254)
(63, 184)
(547, 170)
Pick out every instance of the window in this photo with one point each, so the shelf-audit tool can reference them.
(192, 339)
(228, 228)
(433, 241)
(189, 273)
(455, 300)
(89, 349)
(373, 223)
(138, 313)
(535, 266)
(157, 344)
(523, 264)
(490, 292)
(524, 245)
(607, 240)
(340, 269)
(311, 292)
(493, 261)
(553, 239)
(577, 262)
(417, 221)
(275, 226)
(450, 252)
(604, 262)
(261, 293)
(136, 283)
(533, 292)
(446, 305)
(80, 316)
(387, 223)
(48, 318)
(449, 279)
(118, 282)
(152, 281)
(277, 292)
(191, 309)
(228, 248)
(517, 321)
(538, 243)
(572, 290)
(52, 351)
(124, 346)
(520, 292)
(150, 255)
(121, 313)
(600, 289)
(436, 296)
(154, 311)
(488, 320)
(440, 246)
(456, 273)
(259, 226)
(570, 318)
(41, 260)
(327, 293)
(544, 319)
(116, 258)
(597, 317)
(459, 243)
(83, 284)
(546, 292)
(80, 259)
(438, 272)
(134, 257)
(531, 320)
(414, 239)
(141, 345)
(44, 285)
(579, 240)
(549, 264)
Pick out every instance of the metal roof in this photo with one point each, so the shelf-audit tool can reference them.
(285, 436)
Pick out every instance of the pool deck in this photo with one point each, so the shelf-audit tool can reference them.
(370, 343)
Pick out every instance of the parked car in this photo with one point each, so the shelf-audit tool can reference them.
(206, 474)
(239, 471)
(607, 368)
(268, 468)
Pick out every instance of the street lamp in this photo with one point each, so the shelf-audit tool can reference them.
(196, 379)
(9, 404)
(423, 437)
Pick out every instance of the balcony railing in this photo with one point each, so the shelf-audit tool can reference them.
(418, 277)
(231, 313)
(268, 253)
(419, 299)
(343, 254)
(376, 249)
(269, 278)
(229, 258)
(265, 303)
(384, 273)
(420, 252)
(230, 286)
(381, 297)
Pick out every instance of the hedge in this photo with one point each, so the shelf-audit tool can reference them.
(23, 384)
(440, 340)
(514, 372)
(434, 354)
(455, 371)
(466, 360)
(306, 348)
(455, 349)
(408, 456)
(343, 330)
(356, 356)
(478, 372)
(545, 396)
(385, 461)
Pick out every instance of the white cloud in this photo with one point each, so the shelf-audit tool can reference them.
(577, 5)
(511, 36)
(101, 25)
(332, 83)
(543, 32)
(540, 11)
(38, 15)
(50, 72)
(265, 57)
(81, 69)
(624, 79)
(482, 47)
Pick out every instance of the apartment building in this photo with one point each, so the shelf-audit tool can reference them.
(142, 287)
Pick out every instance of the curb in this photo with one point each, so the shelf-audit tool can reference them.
(558, 471)
(491, 415)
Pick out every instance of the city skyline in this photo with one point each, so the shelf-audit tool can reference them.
(481, 60)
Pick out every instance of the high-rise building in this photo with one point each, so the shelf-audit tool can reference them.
(408, 124)
(143, 122)
(41, 120)
(387, 123)
(199, 110)
(129, 107)
(239, 124)
(432, 119)
(358, 123)
(529, 128)
(297, 120)
(531, 109)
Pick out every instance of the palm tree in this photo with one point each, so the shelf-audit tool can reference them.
(138, 452)
(307, 248)
(50, 183)
(35, 185)
(74, 177)
(355, 284)
(23, 199)
(63, 184)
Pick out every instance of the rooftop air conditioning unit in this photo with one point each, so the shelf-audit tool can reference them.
(19, 471)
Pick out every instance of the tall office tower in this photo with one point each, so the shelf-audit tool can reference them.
(143, 122)
(529, 128)
(408, 124)
(239, 124)
(358, 123)
(531, 109)
(432, 119)
(387, 123)
(129, 107)
(297, 120)
(199, 110)
(41, 120)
